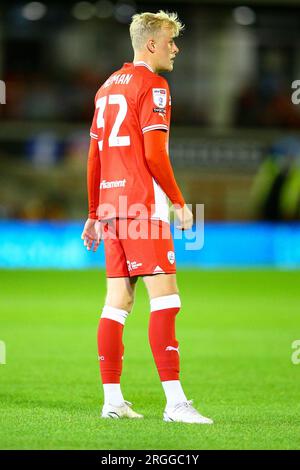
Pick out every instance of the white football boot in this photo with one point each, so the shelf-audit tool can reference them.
(118, 412)
(185, 413)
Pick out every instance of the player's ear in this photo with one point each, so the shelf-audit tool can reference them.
(151, 45)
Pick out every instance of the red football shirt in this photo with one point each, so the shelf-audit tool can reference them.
(133, 100)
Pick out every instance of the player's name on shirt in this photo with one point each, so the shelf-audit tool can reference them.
(118, 79)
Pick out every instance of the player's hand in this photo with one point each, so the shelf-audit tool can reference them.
(185, 217)
(91, 234)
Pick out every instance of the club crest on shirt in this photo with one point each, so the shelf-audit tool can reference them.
(171, 257)
(159, 97)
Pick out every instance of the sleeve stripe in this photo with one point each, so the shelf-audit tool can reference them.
(94, 136)
(155, 126)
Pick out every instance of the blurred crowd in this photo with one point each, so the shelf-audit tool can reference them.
(37, 96)
(268, 104)
(265, 103)
(235, 73)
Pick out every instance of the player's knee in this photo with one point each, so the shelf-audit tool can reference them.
(129, 304)
(161, 285)
(120, 301)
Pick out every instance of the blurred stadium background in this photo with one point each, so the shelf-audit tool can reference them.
(235, 141)
(235, 147)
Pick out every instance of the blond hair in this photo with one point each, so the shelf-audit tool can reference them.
(145, 24)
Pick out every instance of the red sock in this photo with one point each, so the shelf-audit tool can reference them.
(162, 339)
(110, 345)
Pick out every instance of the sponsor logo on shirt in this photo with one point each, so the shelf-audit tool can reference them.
(159, 97)
(171, 257)
(132, 265)
(159, 110)
(113, 184)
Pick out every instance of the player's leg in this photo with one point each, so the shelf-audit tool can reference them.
(165, 305)
(118, 304)
(148, 255)
(151, 253)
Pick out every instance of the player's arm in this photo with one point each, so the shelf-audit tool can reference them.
(92, 230)
(158, 161)
(93, 178)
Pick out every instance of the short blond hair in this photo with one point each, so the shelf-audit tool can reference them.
(145, 24)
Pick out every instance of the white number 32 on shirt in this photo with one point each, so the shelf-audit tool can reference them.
(114, 139)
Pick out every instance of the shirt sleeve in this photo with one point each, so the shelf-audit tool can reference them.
(160, 166)
(154, 105)
(93, 130)
(93, 178)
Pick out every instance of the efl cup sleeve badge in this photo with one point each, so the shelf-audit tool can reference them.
(171, 257)
(159, 97)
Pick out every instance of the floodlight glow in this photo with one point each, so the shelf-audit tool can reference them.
(124, 11)
(83, 11)
(104, 9)
(34, 11)
(244, 16)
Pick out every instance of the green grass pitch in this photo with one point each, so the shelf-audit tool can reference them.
(235, 331)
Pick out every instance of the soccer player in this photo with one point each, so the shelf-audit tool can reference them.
(129, 180)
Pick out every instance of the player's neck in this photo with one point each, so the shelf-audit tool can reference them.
(142, 59)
